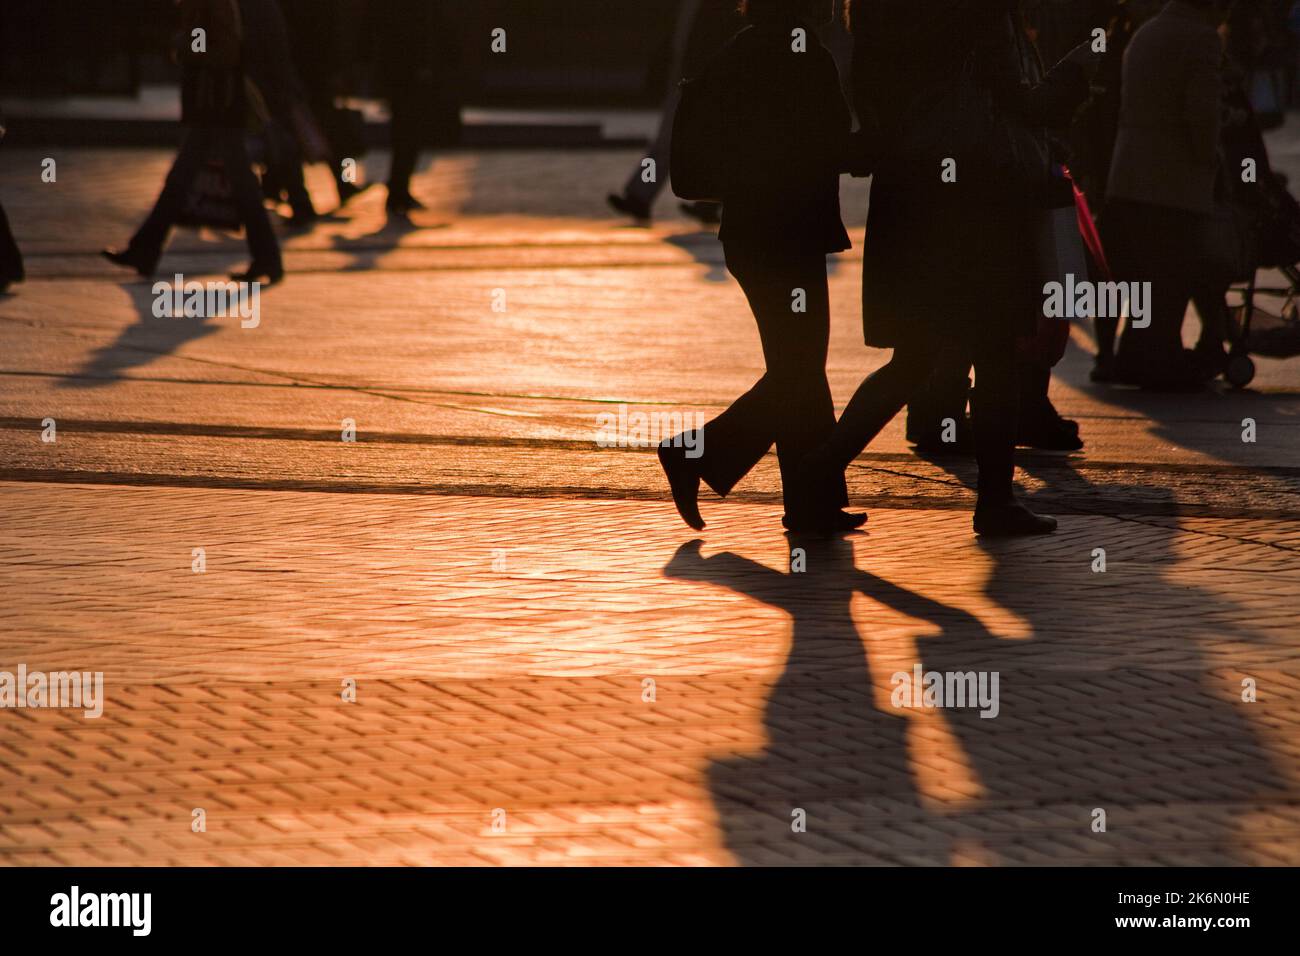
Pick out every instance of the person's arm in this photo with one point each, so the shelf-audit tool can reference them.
(1201, 100)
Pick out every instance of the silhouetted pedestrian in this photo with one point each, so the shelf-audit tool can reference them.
(947, 261)
(214, 110)
(417, 60)
(1161, 187)
(323, 49)
(785, 137)
(268, 61)
(699, 31)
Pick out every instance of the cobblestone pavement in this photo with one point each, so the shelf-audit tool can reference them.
(547, 668)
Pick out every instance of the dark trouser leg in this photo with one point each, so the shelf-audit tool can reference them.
(405, 142)
(1035, 407)
(791, 404)
(1212, 307)
(1106, 330)
(878, 399)
(229, 147)
(943, 396)
(195, 149)
(994, 406)
(289, 164)
(1159, 246)
(11, 260)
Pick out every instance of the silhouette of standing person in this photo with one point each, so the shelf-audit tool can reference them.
(949, 264)
(11, 260)
(268, 59)
(785, 136)
(417, 59)
(694, 34)
(214, 109)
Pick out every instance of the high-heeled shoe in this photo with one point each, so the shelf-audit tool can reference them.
(257, 272)
(1010, 520)
(683, 480)
(145, 264)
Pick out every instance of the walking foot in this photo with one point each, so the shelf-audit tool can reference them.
(1010, 520)
(257, 272)
(683, 481)
(146, 266)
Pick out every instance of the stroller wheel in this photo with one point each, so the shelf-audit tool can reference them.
(1240, 371)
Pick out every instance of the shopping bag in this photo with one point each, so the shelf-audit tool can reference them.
(210, 202)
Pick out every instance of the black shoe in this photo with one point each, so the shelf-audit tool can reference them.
(683, 481)
(146, 266)
(1103, 370)
(402, 203)
(638, 210)
(827, 523)
(1052, 433)
(256, 272)
(300, 221)
(709, 213)
(1010, 520)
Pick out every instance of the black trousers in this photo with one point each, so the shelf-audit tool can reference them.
(791, 405)
(200, 145)
(407, 132)
(11, 260)
(946, 393)
(995, 404)
(1165, 247)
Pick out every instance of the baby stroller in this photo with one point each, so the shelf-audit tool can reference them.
(1263, 219)
(1254, 329)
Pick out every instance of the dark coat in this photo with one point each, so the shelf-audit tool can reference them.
(1166, 152)
(212, 82)
(786, 135)
(945, 264)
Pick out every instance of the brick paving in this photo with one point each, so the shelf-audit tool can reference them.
(501, 591)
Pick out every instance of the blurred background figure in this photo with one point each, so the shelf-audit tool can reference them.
(1264, 49)
(321, 35)
(11, 260)
(701, 28)
(937, 419)
(215, 111)
(288, 127)
(1162, 185)
(417, 59)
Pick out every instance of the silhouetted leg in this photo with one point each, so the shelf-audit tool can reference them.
(405, 142)
(637, 189)
(995, 410)
(229, 146)
(943, 396)
(149, 239)
(11, 260)
(1107, 329)
(878, 399)
(791, 404)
